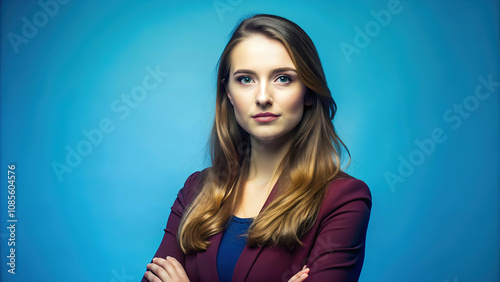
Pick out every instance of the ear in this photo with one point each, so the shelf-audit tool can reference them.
(229, 97)
(308, 99)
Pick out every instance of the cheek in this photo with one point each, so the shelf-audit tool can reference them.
(298, 113)
(235, 98)
(296, 108)
(240, 109)
(297, 105)
(241, 102)
(238, 106)
(295, 111)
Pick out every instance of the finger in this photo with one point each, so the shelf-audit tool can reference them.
(301, 275)
(159, 270)
(151, 277)
(171, 272)
(178, 268)
(296, 276)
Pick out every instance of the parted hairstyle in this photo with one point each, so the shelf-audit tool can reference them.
(311, 163)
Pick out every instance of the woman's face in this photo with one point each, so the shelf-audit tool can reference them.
(264, 88)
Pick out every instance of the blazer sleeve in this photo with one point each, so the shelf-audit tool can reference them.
(339, 248)
(169, 245)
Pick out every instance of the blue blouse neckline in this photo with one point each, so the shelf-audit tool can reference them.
(241, 220)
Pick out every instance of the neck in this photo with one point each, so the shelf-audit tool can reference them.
(266, 156)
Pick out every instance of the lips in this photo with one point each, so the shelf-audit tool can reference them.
(265, 117)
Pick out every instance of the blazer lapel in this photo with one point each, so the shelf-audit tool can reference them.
(245, 262)
(249, 255)
(207, 260)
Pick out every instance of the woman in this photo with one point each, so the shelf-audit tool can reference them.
(274, 205)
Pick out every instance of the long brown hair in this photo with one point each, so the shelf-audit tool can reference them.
(312, 161)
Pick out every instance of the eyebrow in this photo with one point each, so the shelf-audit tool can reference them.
(278, 70)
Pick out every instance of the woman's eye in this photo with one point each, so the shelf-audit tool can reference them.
(284, 79)
(245, 79)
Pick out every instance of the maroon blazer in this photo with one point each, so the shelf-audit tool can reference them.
(333, 248)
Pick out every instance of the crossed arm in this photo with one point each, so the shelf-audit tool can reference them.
(170, 270)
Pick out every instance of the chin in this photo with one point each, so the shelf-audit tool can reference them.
(269, 137)
(266, 138)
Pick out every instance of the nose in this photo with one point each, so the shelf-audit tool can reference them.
(264, 97)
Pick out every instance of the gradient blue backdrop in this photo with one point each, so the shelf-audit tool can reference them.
(439, 221)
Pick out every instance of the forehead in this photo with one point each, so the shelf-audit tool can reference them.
(260, 53)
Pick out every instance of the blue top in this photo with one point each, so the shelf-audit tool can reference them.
(231, 245)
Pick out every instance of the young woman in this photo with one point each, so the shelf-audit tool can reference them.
(274, 205)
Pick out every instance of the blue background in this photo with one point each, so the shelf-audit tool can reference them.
(439, 221)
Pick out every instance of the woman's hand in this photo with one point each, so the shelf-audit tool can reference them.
(166, 270)
(301, 275)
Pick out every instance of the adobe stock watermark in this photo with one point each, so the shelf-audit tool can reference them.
(363, 37)
(121, 277)
(454, 117)
(39, 19)
(223, 6)
(122, 108)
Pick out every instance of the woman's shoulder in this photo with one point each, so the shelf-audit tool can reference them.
(192, 186)
(344, 189)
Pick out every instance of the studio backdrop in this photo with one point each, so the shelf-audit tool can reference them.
(106, 108)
